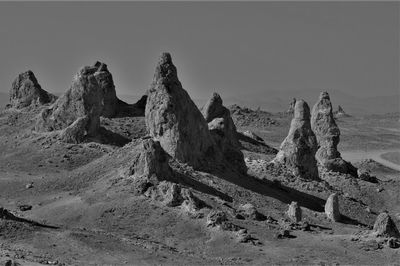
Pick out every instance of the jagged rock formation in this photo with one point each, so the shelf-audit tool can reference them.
(384, 226)
(332, 208)
(294, 212)
(297, 151)
(290, 110)
(173, 119)
(84, 101)
(223, 131)
(149, 165)
(328, 135)
(26, 91)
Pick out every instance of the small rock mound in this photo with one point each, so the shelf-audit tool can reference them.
(294, 212)
(298, 149)
(223, 131)
(78, 110)
(328, 135)
(173, 119)
(332, 208)
(384, 226)
(26, 91)
(248, 211)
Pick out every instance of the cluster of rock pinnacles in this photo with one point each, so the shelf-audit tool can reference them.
(312, 141)
(178, 129)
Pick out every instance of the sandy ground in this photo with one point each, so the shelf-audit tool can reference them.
(78, 189)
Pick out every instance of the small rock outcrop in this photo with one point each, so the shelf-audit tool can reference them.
(26, 91)
(248, 211)
(328, 135)
(149, 165)
(294, 212)
(297, 151)
(223, 131)
(340, 113)
(173, 119)
(290, 110)
(385, 227)
(80, 106)
(332, 208)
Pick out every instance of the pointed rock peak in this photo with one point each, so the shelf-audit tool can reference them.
(25, 91)
(165, 71)
(301, 110)
(165, 58)
(340, 109)
(324, 95)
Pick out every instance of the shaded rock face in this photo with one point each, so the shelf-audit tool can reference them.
(26, 91)
(106, 84)
(328, 135)
(297, 151)
(294, 212)
(332, 208)
(384, 226)
(253, 136)
(84, 99)
(290, 110)
(173, 119)
(223, 131)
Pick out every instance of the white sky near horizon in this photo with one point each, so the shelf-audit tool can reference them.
(235, 48)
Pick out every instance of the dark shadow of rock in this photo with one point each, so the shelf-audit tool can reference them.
(6, 215)
(253, 145)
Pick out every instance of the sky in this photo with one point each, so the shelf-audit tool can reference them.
(235, 48)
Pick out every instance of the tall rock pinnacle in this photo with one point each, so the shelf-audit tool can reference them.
(173, 119)
(78, 110)
(298, 149)
(223, 130)
(328, 135)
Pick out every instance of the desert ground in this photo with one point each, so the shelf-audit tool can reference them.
(72, 203)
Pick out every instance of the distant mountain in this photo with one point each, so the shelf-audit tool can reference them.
(278, 101)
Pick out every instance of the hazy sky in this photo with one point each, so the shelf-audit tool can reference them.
(234, 48)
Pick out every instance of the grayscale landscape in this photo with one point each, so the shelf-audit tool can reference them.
(111, 164)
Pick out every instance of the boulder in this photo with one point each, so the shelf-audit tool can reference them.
(223, 131)
(81, 105)
(173, 119)
(328, 135)
(26, 91)
(332, 208)
(248, 211)
(385, 227)
(294, 212)
(216, 218)
(297, 151)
